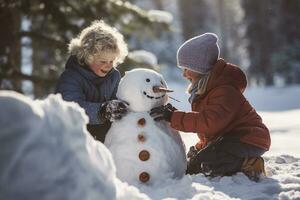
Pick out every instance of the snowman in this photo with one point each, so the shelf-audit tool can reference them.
(144, 150)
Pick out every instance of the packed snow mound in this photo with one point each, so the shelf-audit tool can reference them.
(136, 88)
(46, 153)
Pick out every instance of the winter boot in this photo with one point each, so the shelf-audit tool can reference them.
(254, 168)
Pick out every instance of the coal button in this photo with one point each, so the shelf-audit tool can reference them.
(144, 177)
(141, 122)
(141, 137)
(144, 155)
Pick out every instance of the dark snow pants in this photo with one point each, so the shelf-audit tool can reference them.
(224, 157)
(99, 131)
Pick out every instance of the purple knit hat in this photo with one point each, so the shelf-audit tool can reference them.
(199, 53)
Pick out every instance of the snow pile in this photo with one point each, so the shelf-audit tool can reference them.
(46, 153)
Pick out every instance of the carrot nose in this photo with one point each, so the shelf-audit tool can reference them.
(157, 89)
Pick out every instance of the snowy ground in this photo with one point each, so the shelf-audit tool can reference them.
(47, 118)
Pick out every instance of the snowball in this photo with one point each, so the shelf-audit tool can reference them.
(46, 152)
(136, 88)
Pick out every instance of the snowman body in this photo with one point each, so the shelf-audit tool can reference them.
(144, 151)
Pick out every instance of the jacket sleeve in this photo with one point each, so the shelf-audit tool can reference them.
(221, 106)
(71, 89)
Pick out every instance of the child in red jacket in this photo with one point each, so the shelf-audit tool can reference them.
(232, 134)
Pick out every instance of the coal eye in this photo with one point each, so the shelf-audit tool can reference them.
(147, 80)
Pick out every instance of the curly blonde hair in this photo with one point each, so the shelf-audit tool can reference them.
(98, 38)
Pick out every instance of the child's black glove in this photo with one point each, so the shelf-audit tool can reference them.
(162, 112)
(113, 110)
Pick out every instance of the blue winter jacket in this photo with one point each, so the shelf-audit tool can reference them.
(79, 84)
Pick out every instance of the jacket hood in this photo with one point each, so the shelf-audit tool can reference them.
(71, 62)
(227, 74)
(84, 70)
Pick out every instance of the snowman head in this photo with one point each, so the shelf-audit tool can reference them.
(143, 89)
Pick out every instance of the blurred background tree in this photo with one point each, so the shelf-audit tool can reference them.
(285, 59)
(262, 19)
(46, 27)
(262, 37)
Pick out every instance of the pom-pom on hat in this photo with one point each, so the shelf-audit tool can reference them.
(199, 53)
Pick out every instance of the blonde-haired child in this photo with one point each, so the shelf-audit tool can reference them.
(91, 78)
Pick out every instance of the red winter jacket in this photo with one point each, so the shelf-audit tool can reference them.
(222, 109)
